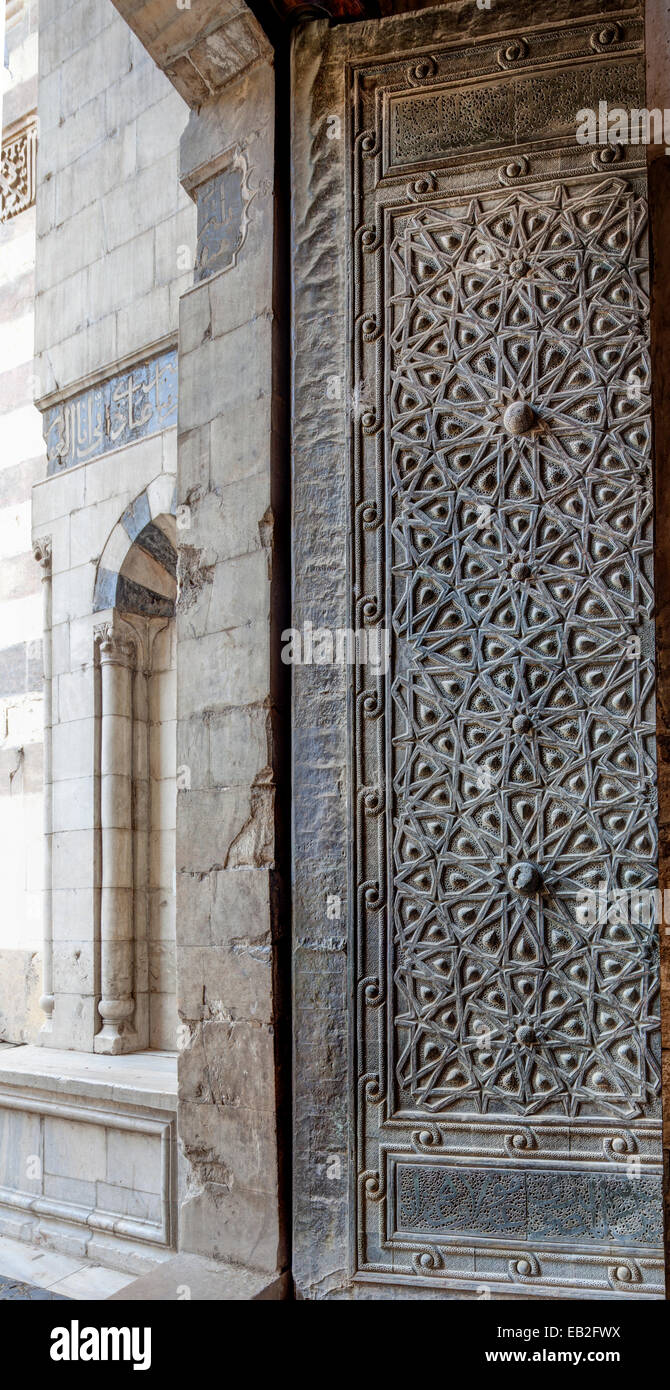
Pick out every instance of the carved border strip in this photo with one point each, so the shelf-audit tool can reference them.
(17, 170)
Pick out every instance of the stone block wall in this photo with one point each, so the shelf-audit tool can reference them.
(229, 915)
(21, 464)
(116, 233)
(116, 237)
(115, 227)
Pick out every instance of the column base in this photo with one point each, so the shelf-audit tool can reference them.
(113, 1041)
(45, 1035)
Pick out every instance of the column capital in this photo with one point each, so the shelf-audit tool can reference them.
(42, 552)
(142, 632)
(115, 645)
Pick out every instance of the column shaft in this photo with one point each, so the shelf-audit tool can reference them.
(117, 946)
(42, 553)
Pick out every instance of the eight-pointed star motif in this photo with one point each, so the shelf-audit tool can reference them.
(521, 572)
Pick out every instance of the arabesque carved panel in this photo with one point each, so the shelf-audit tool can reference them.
(547, 1205)
(17, 170)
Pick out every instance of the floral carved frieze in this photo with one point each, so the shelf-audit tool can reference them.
(450, 121)
(17, 171)
(121, 410)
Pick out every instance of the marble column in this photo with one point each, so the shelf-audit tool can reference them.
(144, 633)
(42, 553)
(117, 945)
(142, 821)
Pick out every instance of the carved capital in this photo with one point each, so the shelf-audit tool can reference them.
(42, 552)
(114, 645)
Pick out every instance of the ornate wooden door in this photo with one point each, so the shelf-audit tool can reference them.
(501, 777)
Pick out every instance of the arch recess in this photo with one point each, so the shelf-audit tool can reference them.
(137, 571)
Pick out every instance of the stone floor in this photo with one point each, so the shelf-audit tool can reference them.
(26, 1273)
(12, 1288)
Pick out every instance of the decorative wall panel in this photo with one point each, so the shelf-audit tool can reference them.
(521, 716)
(504, 1082)
(17, 170)
(222, 203)
(504, 112)
(112, 413)
(550, 1204)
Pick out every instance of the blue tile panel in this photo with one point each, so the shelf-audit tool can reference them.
(121, 410)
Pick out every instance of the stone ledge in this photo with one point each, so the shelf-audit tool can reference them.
(104, 1130)
(193, 1277)
(140, 1078)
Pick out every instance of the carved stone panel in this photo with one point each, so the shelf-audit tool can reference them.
(504, 112)
(112, 413)
(222, 203)
(546, 1205)
(502, 783)
(17, 169)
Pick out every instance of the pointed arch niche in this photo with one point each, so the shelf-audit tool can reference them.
(134, 598)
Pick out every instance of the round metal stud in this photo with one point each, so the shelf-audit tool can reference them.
(519, 418)
(525, 1035)
(525, 877)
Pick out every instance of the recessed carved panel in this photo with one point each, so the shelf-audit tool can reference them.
(522, 715)
(222, 203)
(445, 122)
(549, 1206)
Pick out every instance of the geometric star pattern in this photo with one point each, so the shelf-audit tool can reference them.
(523, 654)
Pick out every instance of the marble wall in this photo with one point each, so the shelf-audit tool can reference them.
(116, 241)
(21, 465)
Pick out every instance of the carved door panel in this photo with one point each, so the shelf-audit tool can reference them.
(505, 1044)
